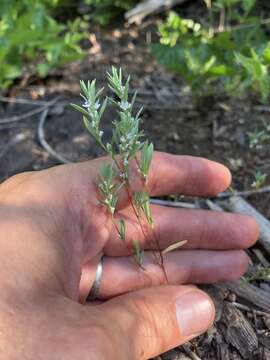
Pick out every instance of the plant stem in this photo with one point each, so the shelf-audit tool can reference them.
(146, 236)
(156, 242)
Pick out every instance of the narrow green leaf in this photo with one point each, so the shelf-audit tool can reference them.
(103, 108)
(147, 211)
(146, 158)
(83, 88)
(80, 109)
(99, 92)
(139, 113)
(88, 126)
(122, 230)
(138, 252)
(133, 99)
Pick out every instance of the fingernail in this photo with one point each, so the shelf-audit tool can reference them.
(195, 313)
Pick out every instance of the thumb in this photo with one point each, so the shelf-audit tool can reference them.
(146, 323)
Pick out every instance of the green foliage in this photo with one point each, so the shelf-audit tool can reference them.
(103, 11)
(235, 56)
(31, 39)
(262, 273)
(94, 112)
(260, 137)
(108, 188)
(256, 73)
(259, 180)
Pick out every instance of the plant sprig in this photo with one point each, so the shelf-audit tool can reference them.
(127, 140)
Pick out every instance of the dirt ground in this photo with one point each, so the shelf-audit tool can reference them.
(215, 128)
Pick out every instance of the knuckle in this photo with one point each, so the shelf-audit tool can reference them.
(13, 184)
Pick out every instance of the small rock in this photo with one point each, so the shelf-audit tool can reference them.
(239, 137)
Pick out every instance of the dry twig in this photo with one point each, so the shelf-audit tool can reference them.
(44, 143)
(262, 190)
(148, 7)
(190, 353)
(176, 204)
(28, 114)
(239, 205)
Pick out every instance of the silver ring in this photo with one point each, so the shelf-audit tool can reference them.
(93, 294)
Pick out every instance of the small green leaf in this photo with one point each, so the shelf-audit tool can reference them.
(138, 252)
(80, 109)
(103, 107)
(146, 158)
(147, 212)
(259, 180)
(107, 172)
(83, 87)
(108, 188)
(122, 230)
(142, 202)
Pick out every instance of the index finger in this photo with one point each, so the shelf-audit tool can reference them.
(174, 174)
(187, 175)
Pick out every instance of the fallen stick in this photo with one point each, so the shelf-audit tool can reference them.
(176, 204)
(147, 7)
(238, 205)
(23, 101)
(27, 114)
(189, 352)
(254, 295)
(238, 331)
(249, 309)
(245, 192)
(43, 142)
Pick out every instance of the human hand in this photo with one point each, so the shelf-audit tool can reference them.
(53, 233)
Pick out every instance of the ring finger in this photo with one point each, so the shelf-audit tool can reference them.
(122, 274)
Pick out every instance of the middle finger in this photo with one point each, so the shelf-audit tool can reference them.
(202, 229)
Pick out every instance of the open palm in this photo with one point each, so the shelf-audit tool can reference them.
(57, 232)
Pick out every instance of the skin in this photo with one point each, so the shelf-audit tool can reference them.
(53, 232)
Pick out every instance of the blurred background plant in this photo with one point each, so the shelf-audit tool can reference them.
(230, 52)
(227, 50)
(103, 11)
(37, 36)
(33, 40)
